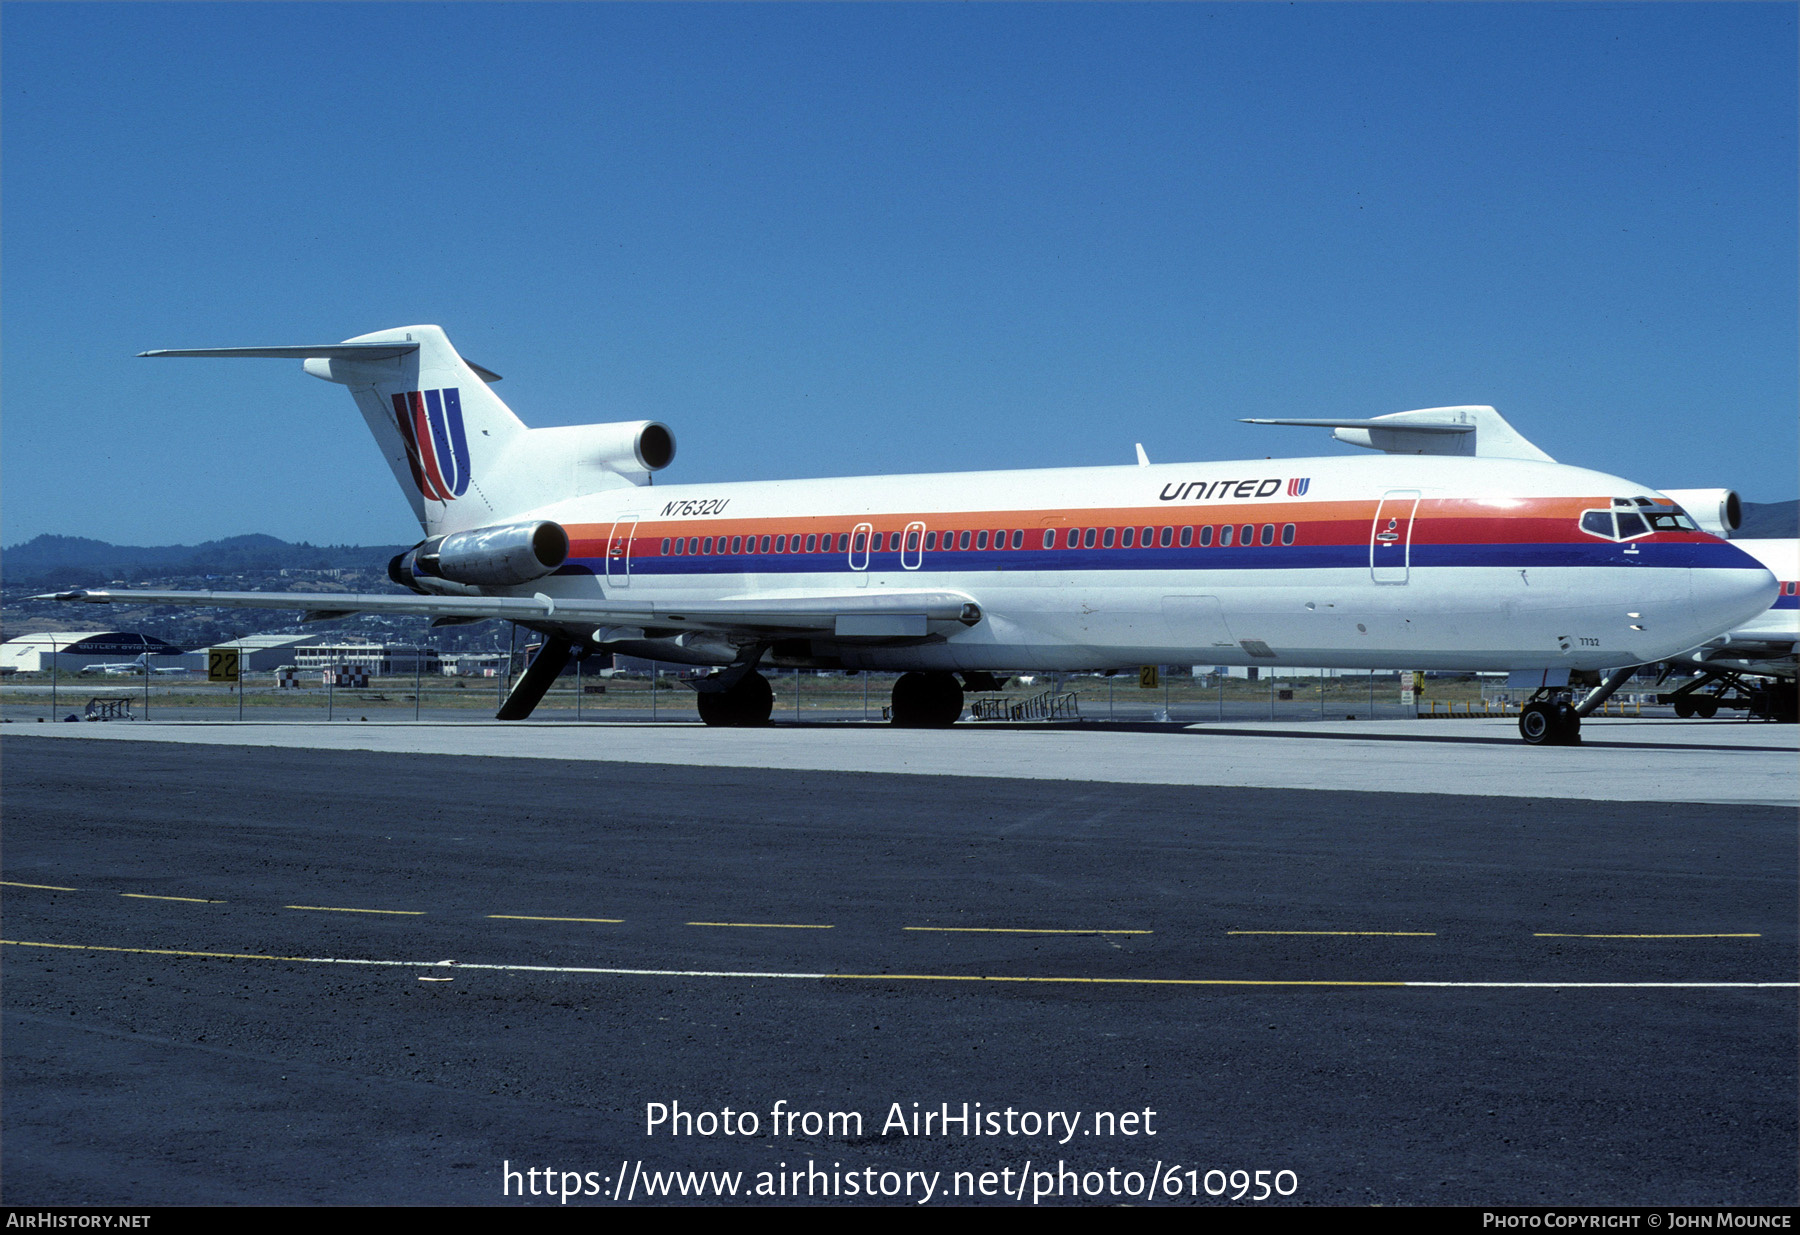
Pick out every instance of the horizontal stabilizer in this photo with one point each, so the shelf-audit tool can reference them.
(1416, 426)
(324, 351)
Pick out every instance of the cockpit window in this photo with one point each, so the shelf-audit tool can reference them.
(1630, 518)
(1670, 519)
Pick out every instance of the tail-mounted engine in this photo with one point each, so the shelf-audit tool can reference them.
(499, 556)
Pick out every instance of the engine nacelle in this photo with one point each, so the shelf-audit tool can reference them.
(570, 460)
(499, 556)
(1716, 510)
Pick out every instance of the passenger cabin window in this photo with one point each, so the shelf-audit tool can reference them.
(1087, 538)
(912, 541)
(812, 542)
(1206, 534)
(737, 544)
(1268, 533)
(981, 540)
(1187, 537)
(962, 540)
(1128, 538)
(1049, 538)
(1225, 536)
(861, 540)
(1166, 538)
(1287, 533)
(1018, 538)
(1106, 538)
(708, 545)
(781, 544)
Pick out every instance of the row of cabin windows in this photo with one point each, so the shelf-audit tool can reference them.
(890, 542)
(1205, 536)
(682, 546)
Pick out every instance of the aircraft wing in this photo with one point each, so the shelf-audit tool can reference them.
(846, 614)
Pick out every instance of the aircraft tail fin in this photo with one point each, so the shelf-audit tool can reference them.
(460, 455)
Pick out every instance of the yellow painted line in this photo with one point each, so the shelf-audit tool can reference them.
(45, 887)
(410, 913)
(774, 926)
(1554, 935)
(1384, 934)
(1018, 930)
(897, 977)
(525, 917)
(192, 900)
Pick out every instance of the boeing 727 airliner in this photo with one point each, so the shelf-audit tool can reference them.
(1460, 546)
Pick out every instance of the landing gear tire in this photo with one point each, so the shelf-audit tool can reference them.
(749, 701)
(1549, 724)
(1684, 707)
(926, 701)
(1707, 707)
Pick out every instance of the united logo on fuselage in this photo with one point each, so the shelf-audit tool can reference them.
(1298, 485)
(431, 425)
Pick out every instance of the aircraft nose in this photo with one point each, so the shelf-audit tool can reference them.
(1730, 589)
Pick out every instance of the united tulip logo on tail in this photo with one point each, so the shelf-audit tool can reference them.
(431, 425)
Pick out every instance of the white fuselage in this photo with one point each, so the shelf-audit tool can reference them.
(1397, 562)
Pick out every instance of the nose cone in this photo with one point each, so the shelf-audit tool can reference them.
(1728, 590)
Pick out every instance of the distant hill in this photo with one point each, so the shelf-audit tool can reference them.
(50, 557)
(1769, 521)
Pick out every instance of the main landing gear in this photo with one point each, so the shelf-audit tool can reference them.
(746, 702)
(926, 701)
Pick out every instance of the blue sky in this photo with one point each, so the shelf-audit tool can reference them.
(830, 240)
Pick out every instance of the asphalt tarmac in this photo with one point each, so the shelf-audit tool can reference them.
(225, 983)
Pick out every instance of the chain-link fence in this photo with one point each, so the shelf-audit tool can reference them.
(312, 696)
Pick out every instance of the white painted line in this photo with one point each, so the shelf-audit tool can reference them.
(907, 977)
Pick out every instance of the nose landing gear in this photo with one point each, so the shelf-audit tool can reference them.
(1550, 722)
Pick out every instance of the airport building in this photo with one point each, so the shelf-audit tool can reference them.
(76, 650)
(256, 653)
(377, 659)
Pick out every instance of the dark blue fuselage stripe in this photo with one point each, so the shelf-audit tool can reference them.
(1676, 555)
